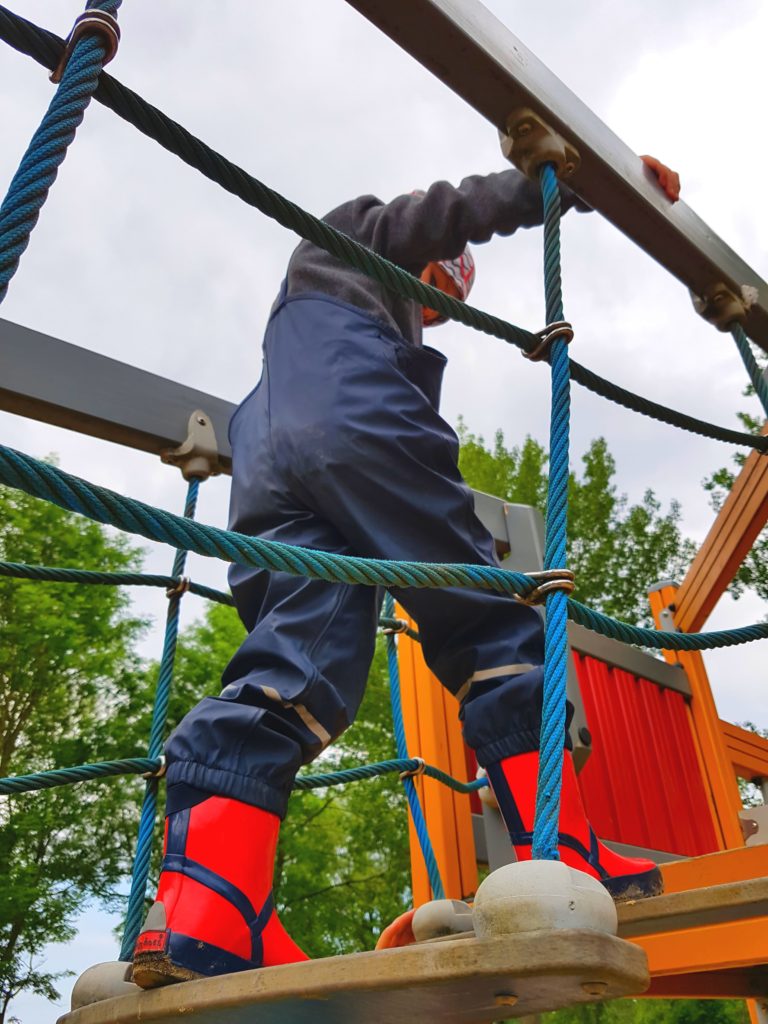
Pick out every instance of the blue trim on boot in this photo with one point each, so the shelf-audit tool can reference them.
(256, 922)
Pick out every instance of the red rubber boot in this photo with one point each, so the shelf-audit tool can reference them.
(514, 782)
(214, 912)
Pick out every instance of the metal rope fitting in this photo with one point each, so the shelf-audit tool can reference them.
(198, 456)
(419, 770)
(181, 587)
(98, 22)
(395, 626)
(158, 773)
(547, 336)
(721, 306)
(529, 142)
(547, 581)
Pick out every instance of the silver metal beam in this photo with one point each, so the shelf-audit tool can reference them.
(466, 47)
(55, 382)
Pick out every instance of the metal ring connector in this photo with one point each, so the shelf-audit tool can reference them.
(395, 626)
(414, 771)
(547, 581)
(99, 22)
(159, 773)
(548, 335)
(181, 587)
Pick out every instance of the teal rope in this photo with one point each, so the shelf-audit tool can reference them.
(140, 875)
(755, 373)
(139, 765)
(81, 773)
(45, 47)
(48, 147)
(42, 480)
(417, 813)
(59, 574)
(545, 828)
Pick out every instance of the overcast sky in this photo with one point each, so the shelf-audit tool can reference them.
(140, 258)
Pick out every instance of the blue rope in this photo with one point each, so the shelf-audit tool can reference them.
(417, 814)
(545, 829)
(755, 373)
(135, 912)
(46, 151)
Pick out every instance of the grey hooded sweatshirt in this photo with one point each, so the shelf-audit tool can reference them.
(411, 231)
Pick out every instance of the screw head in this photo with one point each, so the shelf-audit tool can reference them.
(524, 128)
(202, 420)
(594, 988)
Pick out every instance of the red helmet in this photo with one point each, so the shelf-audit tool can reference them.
(454, 277)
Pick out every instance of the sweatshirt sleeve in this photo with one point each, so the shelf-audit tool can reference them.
(414, 229)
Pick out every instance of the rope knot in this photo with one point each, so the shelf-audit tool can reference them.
(547, 581)
(99, 23)
(547, 337)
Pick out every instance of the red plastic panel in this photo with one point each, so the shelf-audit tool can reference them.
(642, 784)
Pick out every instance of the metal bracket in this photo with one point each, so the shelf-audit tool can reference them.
(754, 825)
(529, 142)
(721, 306)
(198, 456)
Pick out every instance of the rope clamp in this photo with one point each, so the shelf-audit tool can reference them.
(182, 586)
(547, 337)
(396, 626)
(198, 456)
(414, 772)
(546, 582)
(529, 142)
(720, 306)
(98, 22)
(158, 773)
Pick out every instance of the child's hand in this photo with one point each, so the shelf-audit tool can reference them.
(668, 179)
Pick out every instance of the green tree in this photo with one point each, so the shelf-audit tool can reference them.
(752, 574)
(68, 672)
(653, 1011)
(616, 549)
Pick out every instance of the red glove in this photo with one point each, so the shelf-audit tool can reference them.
(668, 179)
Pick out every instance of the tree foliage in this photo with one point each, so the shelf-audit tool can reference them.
(653, 1011)
(617, 550)
(68, 673)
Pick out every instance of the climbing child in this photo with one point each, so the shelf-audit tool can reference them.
(340, 447)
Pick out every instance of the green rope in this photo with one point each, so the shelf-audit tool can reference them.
(43, 480)
(143, 765)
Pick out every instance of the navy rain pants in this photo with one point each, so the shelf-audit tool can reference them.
(340, 447)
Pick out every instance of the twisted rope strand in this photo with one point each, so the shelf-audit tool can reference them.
(42, 480)
(45, 47)
(48, 147)
(759, 382)
(134, 765)
(545, 829)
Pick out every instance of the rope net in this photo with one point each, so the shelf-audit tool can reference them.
(83, 79)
